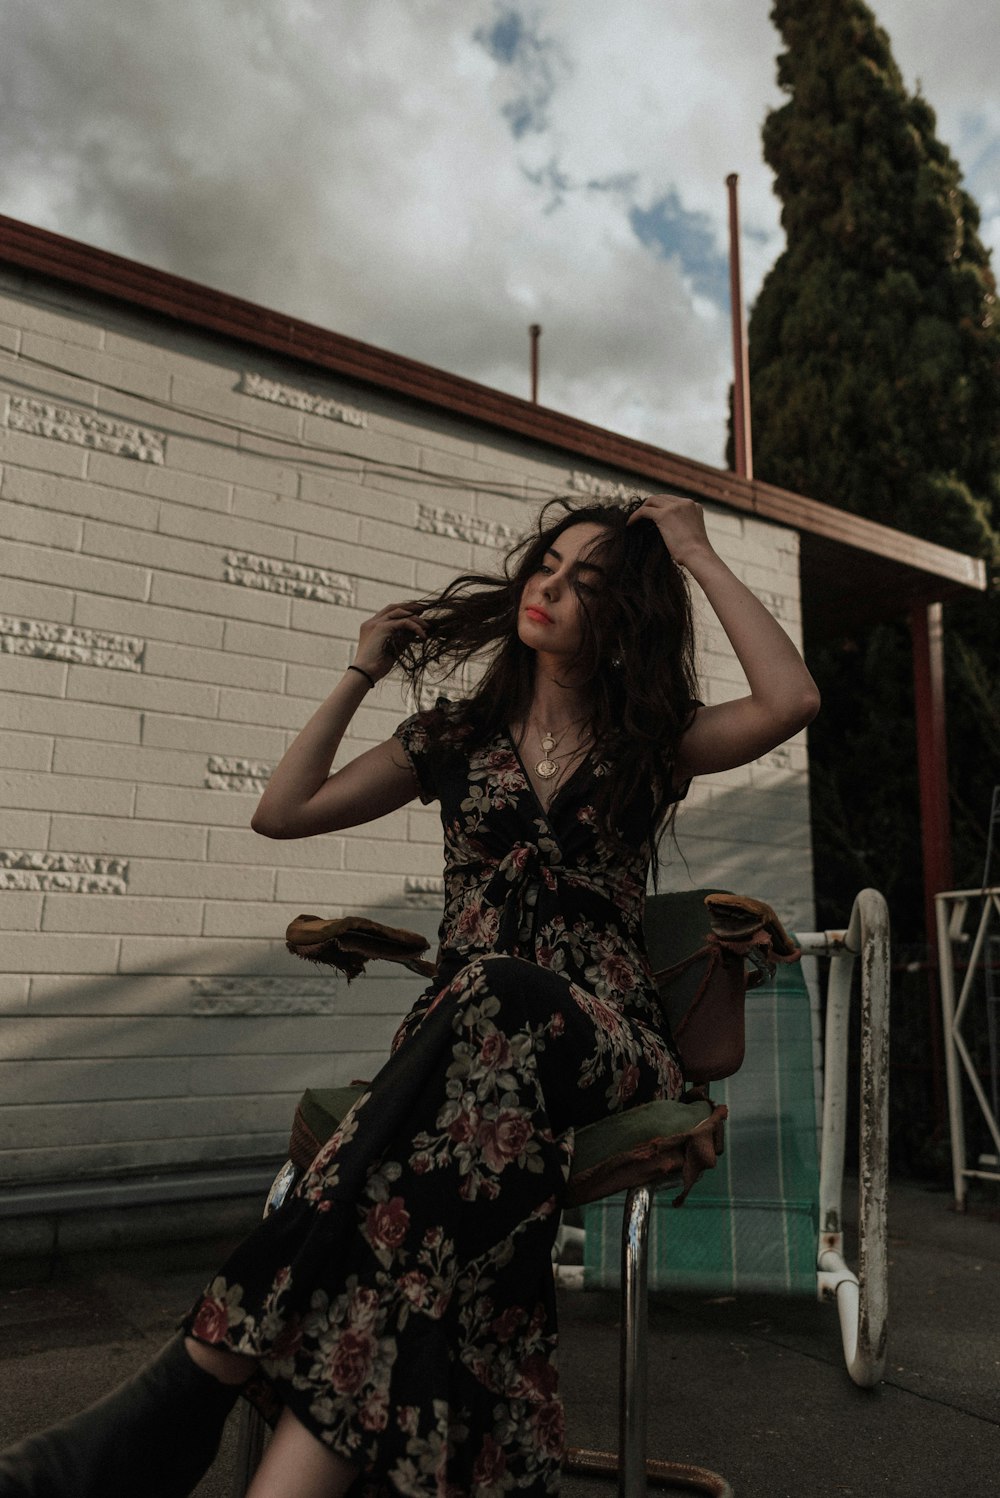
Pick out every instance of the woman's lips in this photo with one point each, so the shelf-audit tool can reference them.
(538, 614)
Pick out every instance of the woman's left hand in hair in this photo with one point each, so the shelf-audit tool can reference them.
(681, 523)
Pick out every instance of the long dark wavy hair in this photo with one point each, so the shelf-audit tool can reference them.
(636, 659)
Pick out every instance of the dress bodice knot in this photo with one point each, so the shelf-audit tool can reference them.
(545, 884)
(513, 890)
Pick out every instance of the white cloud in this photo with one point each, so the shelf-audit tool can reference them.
(353, 164)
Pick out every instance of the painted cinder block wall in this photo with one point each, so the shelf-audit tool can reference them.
(193, 531)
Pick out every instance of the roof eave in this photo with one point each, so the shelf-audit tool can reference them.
(928, 571)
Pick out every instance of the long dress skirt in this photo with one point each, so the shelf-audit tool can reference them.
(402, 1302)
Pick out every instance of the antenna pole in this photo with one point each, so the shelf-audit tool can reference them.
(741, 365)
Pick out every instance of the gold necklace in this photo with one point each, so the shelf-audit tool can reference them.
(548, 765)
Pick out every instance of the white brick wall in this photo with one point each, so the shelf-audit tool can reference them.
(166, 1025)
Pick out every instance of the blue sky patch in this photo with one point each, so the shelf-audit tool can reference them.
(673, 232)
(503, 39)
(534, 62)
(552, 177)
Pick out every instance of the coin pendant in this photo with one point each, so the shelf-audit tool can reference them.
(547, 768)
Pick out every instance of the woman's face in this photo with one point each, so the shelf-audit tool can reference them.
(568, 579)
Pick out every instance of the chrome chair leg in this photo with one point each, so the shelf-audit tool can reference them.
(632, 1394)
(631, 1465)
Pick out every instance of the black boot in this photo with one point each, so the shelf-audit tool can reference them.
(152, 1437)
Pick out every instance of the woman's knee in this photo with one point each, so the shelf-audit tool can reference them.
(522, 989)
(296, 1464)
(512, 997)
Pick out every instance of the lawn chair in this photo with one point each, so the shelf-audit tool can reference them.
(769, 1218)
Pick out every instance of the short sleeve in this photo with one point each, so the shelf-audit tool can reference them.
(413, 736)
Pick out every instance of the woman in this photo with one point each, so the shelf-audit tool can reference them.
(396, 1317)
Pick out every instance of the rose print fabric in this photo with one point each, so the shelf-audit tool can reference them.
(402, 1301)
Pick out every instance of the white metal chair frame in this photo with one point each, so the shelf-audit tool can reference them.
(953, 907)
(863, 1298)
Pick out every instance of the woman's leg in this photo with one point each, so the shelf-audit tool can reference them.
(406, 1288)
(297, 1465)
(154, 1435)
(231, 1368)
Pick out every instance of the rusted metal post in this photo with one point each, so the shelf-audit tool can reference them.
(741, 367)
(927, 632)
(536, 332)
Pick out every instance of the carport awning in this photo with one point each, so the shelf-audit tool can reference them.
(846, 587)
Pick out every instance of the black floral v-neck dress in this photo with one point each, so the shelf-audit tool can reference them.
(402, 1301)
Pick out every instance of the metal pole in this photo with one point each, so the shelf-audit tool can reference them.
(927, 633)
(946, 960)
(741, 365)
(634, 1347)
(536, 332)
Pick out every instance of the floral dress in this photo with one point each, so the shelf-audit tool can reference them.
(402, 1300)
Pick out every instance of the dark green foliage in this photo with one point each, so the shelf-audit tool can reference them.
(874, 348)
(864, 778)
(875, 372)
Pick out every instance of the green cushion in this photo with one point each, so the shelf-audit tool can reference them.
(616, 1137)
(322, 1108)
(623, 1133)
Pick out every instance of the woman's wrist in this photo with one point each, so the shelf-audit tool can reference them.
(363, 671)
(700, 559)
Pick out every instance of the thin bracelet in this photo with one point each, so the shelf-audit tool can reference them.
(362, 672)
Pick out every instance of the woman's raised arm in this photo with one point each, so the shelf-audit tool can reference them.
(783, 696)
(302, 798)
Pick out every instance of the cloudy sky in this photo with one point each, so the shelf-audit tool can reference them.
(432, 176)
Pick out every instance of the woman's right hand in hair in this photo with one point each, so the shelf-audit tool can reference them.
(386, 633)
(681, 523)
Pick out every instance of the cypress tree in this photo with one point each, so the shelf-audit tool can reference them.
(874, 351)
(874, 355)
(874, 347)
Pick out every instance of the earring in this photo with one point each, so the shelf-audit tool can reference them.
(616, 662)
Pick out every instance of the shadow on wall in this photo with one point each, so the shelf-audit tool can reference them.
(198, 1062)
(202, 1057)
(752, 838)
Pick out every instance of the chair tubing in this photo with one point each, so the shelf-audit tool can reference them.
(631, 1466)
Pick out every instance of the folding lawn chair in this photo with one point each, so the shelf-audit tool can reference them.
(768, 1218)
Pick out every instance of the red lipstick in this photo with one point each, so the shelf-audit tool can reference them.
(534, 612)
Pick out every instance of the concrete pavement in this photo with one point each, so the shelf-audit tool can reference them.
(753, 1386)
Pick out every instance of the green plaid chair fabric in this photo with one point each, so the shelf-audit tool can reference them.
(752, 1223)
